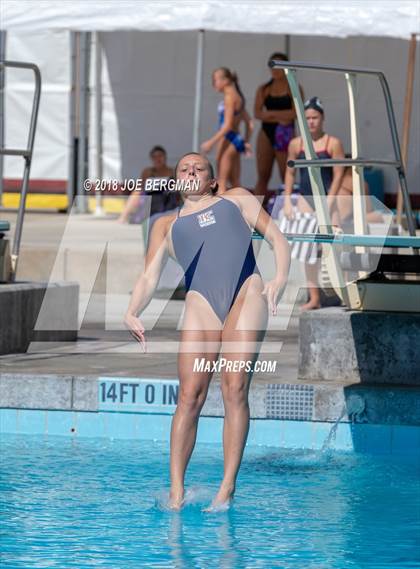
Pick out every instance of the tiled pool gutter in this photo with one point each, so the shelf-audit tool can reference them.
(374, 418)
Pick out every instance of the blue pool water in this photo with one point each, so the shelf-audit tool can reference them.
(100, 503)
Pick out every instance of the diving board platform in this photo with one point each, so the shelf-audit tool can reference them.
(375, 290)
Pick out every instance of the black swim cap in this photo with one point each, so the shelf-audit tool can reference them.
(314, 103)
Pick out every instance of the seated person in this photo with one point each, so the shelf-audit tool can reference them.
(136, 208)
(325, 146)
(161, 200)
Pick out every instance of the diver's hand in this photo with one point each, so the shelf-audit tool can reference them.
(248, 149)
(288, 208)
(273, 290)
(136, 329)
(206, 147)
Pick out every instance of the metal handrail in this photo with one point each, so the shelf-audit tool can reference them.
(26, 154)
(303, 163)
(14, 152)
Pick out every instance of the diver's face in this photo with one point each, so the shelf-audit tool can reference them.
(278, 74)
(315, 121)
(158, 159)
(193, 168)
(219, 81)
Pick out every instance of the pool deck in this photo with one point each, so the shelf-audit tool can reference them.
(99, 352)
(69, 376)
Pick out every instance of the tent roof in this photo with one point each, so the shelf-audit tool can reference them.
(295, 17)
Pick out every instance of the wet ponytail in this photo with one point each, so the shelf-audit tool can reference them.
(232, 76)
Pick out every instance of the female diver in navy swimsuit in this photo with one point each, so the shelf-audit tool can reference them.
(226, 308)
(230, 143)
(325, 146)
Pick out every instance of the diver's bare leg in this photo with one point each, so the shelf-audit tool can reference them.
(225, 167)
(201, 342)
(312, 272)
(250, 309)
(265, 159)
(192, 394)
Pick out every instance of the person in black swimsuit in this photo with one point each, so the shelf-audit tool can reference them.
(226, 308)
(274, 107)
(325, 146)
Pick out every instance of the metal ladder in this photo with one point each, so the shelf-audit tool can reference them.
(26, 155)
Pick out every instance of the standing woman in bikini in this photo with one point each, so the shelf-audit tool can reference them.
(230, 143)
(226, 306)
(274, 107)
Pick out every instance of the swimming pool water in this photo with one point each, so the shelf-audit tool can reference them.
(99, 503)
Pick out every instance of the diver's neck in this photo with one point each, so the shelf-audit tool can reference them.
(198, 201)
(318, 135)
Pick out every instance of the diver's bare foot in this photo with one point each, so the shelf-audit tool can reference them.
(122, 220)
(311, 305)
(176, 500)
(222, 500)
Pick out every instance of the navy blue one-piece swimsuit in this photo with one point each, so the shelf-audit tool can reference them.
(214, 248)
(327, 173)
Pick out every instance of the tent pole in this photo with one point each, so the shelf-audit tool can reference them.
(83, 94)
(2, 115)
(98, 120)
(198, 91)
(408, 104)
(71, 178)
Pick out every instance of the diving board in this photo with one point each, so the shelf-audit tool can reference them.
(352, 240)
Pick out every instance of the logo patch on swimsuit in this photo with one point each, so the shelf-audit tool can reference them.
(206, 218)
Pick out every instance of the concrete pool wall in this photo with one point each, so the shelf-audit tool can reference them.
(377, 419)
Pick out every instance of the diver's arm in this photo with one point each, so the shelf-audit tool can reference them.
(227, 125)
(266, 227)
(156, 257)
(337, 152)
(290, 175)
(249, 125)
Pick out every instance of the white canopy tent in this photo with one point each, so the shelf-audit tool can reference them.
(304, 17)
(379, 18)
